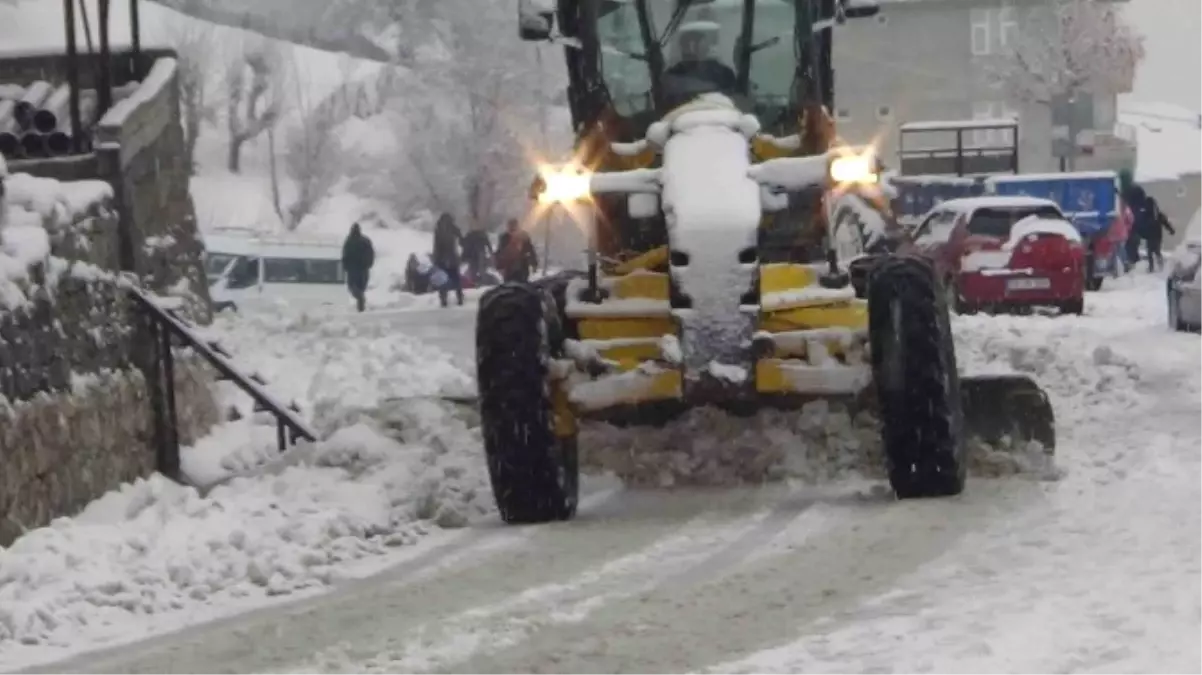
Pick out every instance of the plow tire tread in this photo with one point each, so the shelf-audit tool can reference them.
(525, 457)
(922, 420)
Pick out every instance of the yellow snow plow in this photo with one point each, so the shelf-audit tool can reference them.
(712, 278)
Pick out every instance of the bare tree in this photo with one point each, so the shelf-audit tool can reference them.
(1070, 49)
(255, 82)
(313, 156)
(195, 42)
(471, 115)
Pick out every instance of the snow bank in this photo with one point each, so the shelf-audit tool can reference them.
(393, 466)
(1091, 378)
(30, 209)
(328, 364)
(155, 548)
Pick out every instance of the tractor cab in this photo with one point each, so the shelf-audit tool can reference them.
(632, 63)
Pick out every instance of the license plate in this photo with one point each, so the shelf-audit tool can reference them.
(1028, 284)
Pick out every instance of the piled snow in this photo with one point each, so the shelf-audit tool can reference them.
(154, 547)
(393, 466)
(329, 365)
(30, 208)
(1087, 376)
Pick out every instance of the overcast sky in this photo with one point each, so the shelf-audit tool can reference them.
(1172, 72)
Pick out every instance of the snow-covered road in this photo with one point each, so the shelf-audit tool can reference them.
(1098, 571)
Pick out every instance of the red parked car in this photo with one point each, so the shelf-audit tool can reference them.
(1004, 253)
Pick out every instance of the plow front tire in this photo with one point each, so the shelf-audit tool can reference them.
(534, 473)
(918, 386)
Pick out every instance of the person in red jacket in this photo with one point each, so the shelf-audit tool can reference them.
(515, 256)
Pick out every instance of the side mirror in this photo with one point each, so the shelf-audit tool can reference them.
(536, 18)
(860, 9)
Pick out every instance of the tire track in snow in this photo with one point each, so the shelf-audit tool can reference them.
(766, 600)
(487, 629)
(376, 610)
(232, 639)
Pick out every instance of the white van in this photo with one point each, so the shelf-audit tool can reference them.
(248, 271)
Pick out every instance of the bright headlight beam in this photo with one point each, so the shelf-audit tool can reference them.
(563, 185)
(859, 169)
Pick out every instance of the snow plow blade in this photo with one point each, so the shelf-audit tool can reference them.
(1013, 407)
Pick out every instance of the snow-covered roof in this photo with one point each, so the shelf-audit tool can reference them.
(1067, 175)
(274, 246)
(1167, 138)
(968, 204)
(951, 125)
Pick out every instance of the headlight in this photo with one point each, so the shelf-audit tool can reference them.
(852, 168)
(562, 185)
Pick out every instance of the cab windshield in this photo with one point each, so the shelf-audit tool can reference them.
(691, 47)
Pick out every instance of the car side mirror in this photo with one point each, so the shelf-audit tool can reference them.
(859, 9)
(536, 18)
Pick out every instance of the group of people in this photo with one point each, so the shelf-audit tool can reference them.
(1148, 223)
(514, 258)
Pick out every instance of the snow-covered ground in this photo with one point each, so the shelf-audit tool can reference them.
(1098, 570)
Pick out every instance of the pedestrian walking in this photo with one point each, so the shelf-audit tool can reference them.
(447, 242)
(358, 256)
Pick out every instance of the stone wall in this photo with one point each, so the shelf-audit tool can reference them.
(75, 418)
(61, 450)
(75, 414)
(139, 152)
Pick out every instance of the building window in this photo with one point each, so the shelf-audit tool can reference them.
(842, 114)
(992, 138)
(980, 32)
(1007, 28)
(884, 112)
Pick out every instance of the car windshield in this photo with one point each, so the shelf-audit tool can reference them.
(697, 43)
(997, 222)
(937, 229)
(215, 263)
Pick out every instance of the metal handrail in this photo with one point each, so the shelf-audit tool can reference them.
(165, 327)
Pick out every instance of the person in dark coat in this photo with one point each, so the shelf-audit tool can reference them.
(1155, 237)
(358, 255)
(447, 240)
(515, 253)
(477, 249)
(416, 281)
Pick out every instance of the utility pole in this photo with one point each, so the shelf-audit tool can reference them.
(542, 122)
(73, 75)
